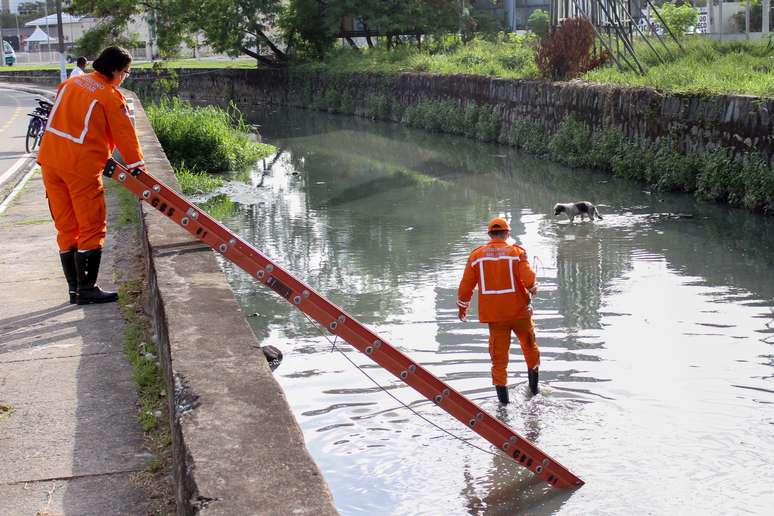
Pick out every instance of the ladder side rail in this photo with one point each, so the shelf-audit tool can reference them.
(338, 322)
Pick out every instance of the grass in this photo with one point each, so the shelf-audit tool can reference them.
(193, 182)
(142, 353)
(708, 67)
(173, 63)
(508, 57)
(215, 139)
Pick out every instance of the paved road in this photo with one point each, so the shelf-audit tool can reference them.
(14, 160)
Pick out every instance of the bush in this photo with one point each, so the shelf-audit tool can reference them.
(488, 125)
(377, 106)
(528, 135)
(566, 52)
(671, 170)
(720, 179)
(570, 143)
(758, 179)
(605, 145)
(539, 23)
(679, 18)
(213, 138)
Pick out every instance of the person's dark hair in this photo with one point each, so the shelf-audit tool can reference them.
(498, 234)
(81, 62)
(112, 59)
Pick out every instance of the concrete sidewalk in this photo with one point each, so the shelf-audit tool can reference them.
(71, 442)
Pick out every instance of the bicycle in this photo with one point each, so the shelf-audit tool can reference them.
(37, 124)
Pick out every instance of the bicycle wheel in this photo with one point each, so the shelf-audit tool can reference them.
(36, 143)
(33, 130)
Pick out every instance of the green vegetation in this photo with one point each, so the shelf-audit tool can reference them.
(193, 182)
(708, 67)
(143, 356)
(678, 18)
(744, 181)
(219, 207)
(153, 412)
(141, 65)
(214, 139)
(539, 23)
(480, 122)
(508, 56)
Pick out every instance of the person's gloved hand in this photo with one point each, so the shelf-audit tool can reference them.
(533, 290)
(463, 313)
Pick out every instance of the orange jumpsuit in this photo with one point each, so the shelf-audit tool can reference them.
(503, 276)
(88, 119)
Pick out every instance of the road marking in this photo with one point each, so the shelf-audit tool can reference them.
(11, 196)
(13, 117)
(11, 171)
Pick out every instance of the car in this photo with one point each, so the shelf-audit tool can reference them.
(8, 52)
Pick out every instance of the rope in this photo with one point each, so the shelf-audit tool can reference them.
(388, 393)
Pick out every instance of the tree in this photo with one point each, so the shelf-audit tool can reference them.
(539, 23)
(171, 20)
(679, 18)
(231, 26)
(310, 25)
(238, 26)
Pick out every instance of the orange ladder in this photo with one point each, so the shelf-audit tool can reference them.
(209, 231)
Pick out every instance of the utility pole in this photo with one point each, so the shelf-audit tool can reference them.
(765, 20)
(60, 29)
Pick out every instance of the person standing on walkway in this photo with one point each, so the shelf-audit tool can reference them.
(88, 120)
(506, 284)
(80, 67)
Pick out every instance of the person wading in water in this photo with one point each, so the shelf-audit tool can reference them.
(506, 284)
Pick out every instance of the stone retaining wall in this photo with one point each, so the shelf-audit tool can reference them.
(691, 122)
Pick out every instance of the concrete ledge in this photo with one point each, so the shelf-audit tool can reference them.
(237, 447)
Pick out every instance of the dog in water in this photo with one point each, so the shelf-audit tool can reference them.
(573, 209)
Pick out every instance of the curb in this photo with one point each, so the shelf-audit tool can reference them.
(27, 89)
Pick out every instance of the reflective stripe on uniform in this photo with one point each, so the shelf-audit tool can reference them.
(482, 285)
(76, 139)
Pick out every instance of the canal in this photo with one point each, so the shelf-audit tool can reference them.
(656, 325)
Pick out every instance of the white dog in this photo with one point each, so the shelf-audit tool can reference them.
(573, 209)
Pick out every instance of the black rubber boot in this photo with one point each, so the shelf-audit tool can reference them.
(71, 275)
(87, 265)
(502, 393)
(532, 374)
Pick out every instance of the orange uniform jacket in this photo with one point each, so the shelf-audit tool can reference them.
(88, 120)
(503, 275)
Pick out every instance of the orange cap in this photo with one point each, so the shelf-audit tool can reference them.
(498, 224)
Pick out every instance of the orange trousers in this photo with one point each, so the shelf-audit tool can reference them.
(77, 204)
(500, 344)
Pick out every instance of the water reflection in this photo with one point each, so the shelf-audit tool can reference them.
(655, 324)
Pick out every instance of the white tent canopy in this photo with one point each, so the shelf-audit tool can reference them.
(51, 20)
(37, 36)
